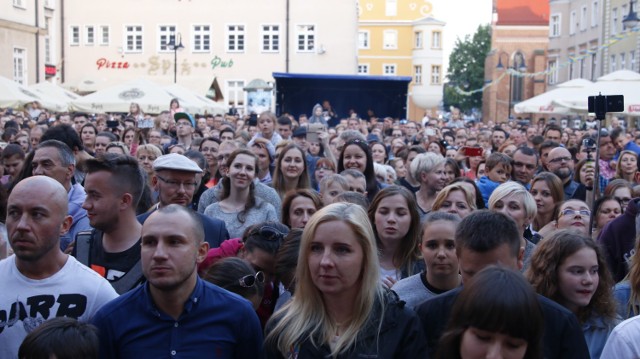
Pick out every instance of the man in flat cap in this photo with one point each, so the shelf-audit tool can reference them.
(175, 182)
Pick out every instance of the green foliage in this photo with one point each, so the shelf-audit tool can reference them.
(466, 69)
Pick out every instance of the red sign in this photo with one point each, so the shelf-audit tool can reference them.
(634, 108)
(50, 70)
(106, 64)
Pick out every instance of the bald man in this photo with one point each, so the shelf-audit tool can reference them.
(39, 281)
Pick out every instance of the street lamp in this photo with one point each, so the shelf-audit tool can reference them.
(172, 46)
(630, 21)
(516, 64)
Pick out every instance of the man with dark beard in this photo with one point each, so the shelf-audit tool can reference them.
(561, 164)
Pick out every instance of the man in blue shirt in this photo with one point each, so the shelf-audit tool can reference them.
(177, 314)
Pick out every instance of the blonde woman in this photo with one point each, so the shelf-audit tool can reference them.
(455, 199)
(627, 166)
(339, 306)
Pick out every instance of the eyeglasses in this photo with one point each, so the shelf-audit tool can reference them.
(572, 212)
(268, 233)
(624, 201)
(181, 124)
(176, 185)
(560, 159)
(249, 281)
(520, 164)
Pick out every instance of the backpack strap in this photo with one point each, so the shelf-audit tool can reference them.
(84, 240)
(129, 280)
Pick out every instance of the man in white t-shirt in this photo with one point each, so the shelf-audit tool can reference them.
(39, 281)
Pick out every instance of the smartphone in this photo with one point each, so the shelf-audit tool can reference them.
(472, 151)
(313, 130)
(145, 123)
(430, 132)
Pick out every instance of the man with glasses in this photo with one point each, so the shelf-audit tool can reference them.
(185, 126)
(561, 164)
(525, 164)
(175, 182)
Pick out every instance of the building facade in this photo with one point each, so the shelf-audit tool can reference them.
(205, 45)
(575, 39)
(624, 47)
(403, 38)
(28, 40)
(519, 40)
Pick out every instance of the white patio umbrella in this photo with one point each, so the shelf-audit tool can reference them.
(623, 82)
(59, 93)
(544, 103)
(150, 96)
(192, 102)
(14, 95)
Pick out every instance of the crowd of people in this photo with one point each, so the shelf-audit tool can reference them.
(280, 237)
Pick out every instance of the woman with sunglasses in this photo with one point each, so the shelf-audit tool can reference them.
(239, 207)
(237, 276)
(340, 308)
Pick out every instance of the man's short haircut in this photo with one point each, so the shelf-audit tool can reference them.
(415, 148)
(616, 132)
(11, 150)
(228, 129)
(348, 135)
(66, 155)
(80, 114)
(353, 197)
(329, 180)
(284, 121)
(353, 173)
(61, 337)
(109, 135)
(551, 127)
(498, 158)
(66, 134)
(197, 226)
(127, 174)
(527, 151)
(546, 145)
(478, 233)
(197, 157)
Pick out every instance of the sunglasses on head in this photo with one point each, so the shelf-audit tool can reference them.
(268, 232)
(249, 281)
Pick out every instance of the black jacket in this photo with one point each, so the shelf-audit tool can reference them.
(400, 336)
(563, 338)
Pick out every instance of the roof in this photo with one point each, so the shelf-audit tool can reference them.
(429, 20)
(522, 12)
(284, 75)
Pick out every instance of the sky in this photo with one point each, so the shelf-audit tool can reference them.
(462, 17)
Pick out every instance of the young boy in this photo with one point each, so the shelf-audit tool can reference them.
(498, 169)
(331, 186)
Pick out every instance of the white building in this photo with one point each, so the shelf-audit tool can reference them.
(226, 42)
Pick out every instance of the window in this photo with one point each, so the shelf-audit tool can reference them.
(235, 94)
(554, 25)
(133, 38)
(270, 38)
(435, 74)
(20, 3)
(390, 40)
(235, 38)
(436, 38)
(89, 35)
(594, 14)
(104, 35)
(623, 59)
(612, 66)
(20, 65)
(582, 63)
(306, 37)
(614, 21)
(47, 50)
(363, 69)
(583, 18)
(201, 38)
(632, 60)
(49, 4)
(166, 38)
(552, 78)
(570, 68)
(417, 36)
(363, 39)
(417, 74)
(391, 8)
(573, 22)
(389, 69)
(74, 35)
(594, 64)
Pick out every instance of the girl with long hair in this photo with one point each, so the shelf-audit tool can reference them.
(239, 207)
(339, 306)
(570, 269)
(357, 155)
(291, 170)
(547, 190)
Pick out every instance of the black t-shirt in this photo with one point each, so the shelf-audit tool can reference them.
(112, 266)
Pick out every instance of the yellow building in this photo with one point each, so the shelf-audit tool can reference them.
(402, 38)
